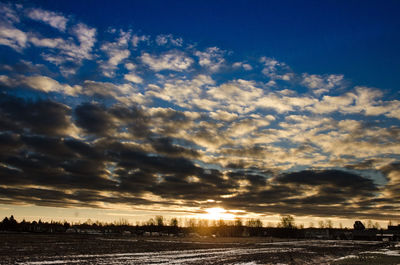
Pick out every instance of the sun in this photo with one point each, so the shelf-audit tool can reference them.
(218, 213)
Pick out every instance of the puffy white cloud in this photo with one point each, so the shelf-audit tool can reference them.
(116, 51)
(66, 53)
(276, 70)
(51, 18)
(67, 49)
(184, 93)
(136, 39)
(6, 81)
(47, 84)
(13, 37)
(8, 15)
(165, 39)
(46, 42)
(275, 102)
(117, 56)
(330, 104)
(106, 88)
(172, 60)
(130, 66)
(369, 101)
(132, 77)
(363, 100)
(322, 84)
(41, 83)
(86, 37)
(222, 115)
(125, 93)
(245, 127)
(238, 95)
(212, 58)
(10, 35)
(245, 66)
(121, 92)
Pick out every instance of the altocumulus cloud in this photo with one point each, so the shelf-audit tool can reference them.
(159, 122)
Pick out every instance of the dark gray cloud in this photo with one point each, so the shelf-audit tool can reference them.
(166, 145)
(40, 117)
(37, 149)
(94, 119)
(335, 177)
(311, 193)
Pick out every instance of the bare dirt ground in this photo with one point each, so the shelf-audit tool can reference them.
(97, 249)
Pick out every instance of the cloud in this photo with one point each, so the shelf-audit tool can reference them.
(185, 93)
(41, 117)
(65, 53)
(53, 19)
(36, 153)
(322, 84)
(132, 77)
(46, 42)
(392, 189)
(166, 145)
(363, 100)
(136, 39)
(106, 89)
(40, 83)
(8, 14)
(237, 96)
(221, 115)
(276, 70)
(245, 66)
(94, 119)
(116, 51)
(172, 60)
(13, 37)
(151, 126)
(61, 51)
(86, 37)
(212, 58)
(100, 121)
(46, 84)
(318, 190)
(340, 179)
(165, 39)
(9, 34)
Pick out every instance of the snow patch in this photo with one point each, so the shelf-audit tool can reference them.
(384, 251)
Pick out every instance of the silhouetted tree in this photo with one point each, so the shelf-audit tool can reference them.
(150, 222)
(254, 223)
(238, 222)
(328, 224)
(159, 220)
(173, 222)
(287, 221)
(358, 225)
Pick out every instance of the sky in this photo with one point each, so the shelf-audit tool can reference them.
(204, 109)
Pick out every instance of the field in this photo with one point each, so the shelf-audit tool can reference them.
(95, 249)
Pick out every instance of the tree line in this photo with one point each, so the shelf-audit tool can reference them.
(162, 226)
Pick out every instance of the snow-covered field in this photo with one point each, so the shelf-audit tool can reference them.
(387, 255)
(30, 249)
(204, 256)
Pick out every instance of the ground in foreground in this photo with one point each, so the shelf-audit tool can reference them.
(94, 249)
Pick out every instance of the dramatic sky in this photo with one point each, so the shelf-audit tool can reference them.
(132, 109)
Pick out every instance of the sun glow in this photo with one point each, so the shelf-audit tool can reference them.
(218, 213)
